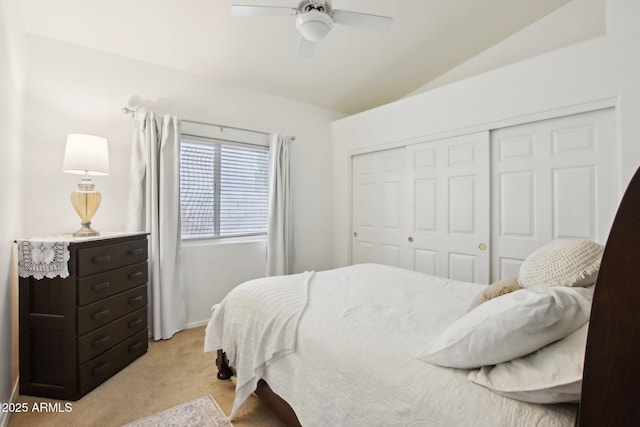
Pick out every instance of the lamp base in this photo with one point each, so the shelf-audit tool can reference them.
(85, 201)
(86, 231)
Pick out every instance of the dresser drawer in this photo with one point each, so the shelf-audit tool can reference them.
(104, 338)
(97, 370)
(98, 286)
(100, 313)
(108, 257)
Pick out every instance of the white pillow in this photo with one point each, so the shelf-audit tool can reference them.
(508, 327)
(564, 262)
(552, 374)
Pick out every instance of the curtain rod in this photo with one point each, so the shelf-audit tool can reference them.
(127, 110)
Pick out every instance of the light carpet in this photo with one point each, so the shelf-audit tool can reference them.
(201, 412)
(172, 372)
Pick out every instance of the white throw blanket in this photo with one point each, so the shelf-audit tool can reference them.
(257, 323)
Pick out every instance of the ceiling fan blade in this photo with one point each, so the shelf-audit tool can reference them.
(245, 10)
(363, 21)
(306, 48)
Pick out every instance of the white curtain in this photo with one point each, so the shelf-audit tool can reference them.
(280, 225)
(154, 207)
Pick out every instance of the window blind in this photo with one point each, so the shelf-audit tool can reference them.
(223, 189)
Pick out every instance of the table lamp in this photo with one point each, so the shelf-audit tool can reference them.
(86, 155)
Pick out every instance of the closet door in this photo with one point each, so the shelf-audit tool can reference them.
(448, 182)
(379, 207)
(551, 179)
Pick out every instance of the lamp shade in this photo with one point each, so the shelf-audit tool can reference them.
(314, 25)
(86, 154)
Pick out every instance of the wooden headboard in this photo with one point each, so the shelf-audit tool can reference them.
(611, 377)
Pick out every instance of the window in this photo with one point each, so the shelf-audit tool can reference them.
(223, 188)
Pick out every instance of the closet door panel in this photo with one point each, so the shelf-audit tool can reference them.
(574, 210)
(364, 212)
(551, 179)
(462, 201)
(391, 204)
(425, 261)
(449, 225)
(509, 267)
(378, 213)
(391, 222)
(516, 194)
(391, 255)
(425, 196)
(571, 138)
(463, 267)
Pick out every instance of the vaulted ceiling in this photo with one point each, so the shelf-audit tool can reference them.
(351, 71)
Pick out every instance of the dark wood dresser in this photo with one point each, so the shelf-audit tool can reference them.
(77, 332)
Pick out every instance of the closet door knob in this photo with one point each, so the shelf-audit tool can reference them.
(410, 239)
(482, 246)
(355, 234)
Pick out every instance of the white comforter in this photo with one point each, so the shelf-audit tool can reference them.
(355, 346)
(256, 323)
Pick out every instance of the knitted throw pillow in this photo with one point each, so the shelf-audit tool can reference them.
(568, 262)
(494, 290)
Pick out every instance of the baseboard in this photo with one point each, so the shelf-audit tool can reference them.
(187, 326)
(5, 416)
(197, 324)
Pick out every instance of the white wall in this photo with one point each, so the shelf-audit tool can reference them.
(74, 89)
(11, 106)
(599, 72)
(572, 23)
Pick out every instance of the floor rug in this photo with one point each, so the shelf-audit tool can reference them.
(201, 412)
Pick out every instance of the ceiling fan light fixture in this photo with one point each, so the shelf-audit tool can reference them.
(314, 25)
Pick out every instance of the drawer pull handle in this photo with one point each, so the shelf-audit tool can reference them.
(135, 275)
(137, 251)
(134, 346)
(100, 368)
(100, 314)
(101, 258)
(101, 286)
(102, 340)
(135, 300)
(134, 323)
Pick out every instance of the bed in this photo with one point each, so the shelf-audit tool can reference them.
(376, 345)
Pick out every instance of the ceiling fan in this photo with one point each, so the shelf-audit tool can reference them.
(314, 20)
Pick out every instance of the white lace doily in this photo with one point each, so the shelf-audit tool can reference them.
(43, 259)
